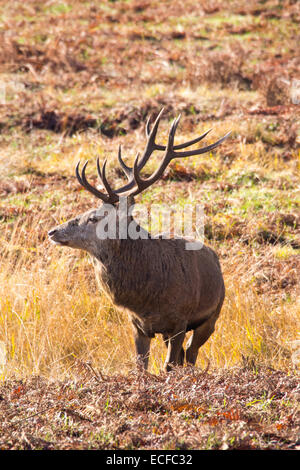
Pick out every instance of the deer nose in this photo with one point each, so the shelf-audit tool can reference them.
(52, 232)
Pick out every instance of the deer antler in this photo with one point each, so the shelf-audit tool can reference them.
(151, 146)
(136, 184)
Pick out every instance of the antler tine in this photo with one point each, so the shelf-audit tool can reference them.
(173, 131)
(151, 145)
(139, 182)
(147, 127)
(155, 125)
(112, 197)
(127, 170)
(186, 144)
(78, 174)
(191, 153)
(99, 169)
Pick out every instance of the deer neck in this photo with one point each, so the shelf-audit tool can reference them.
(121, 248)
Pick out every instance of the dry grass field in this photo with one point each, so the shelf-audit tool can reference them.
(78, 79)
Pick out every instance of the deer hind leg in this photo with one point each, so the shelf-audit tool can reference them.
(199, 337)
(175, 353)
(142, 347)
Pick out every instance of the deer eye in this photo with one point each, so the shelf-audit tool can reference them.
(93, 219)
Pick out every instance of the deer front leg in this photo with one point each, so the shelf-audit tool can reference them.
(142, 347)
(175, 353)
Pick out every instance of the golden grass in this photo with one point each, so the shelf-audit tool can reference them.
(52, 315)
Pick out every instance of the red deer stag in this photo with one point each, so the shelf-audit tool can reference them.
(166, 288)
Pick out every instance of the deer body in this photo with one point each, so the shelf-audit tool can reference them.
(165, 288)
(169, 287)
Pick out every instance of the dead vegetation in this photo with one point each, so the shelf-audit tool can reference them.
(244, 408)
